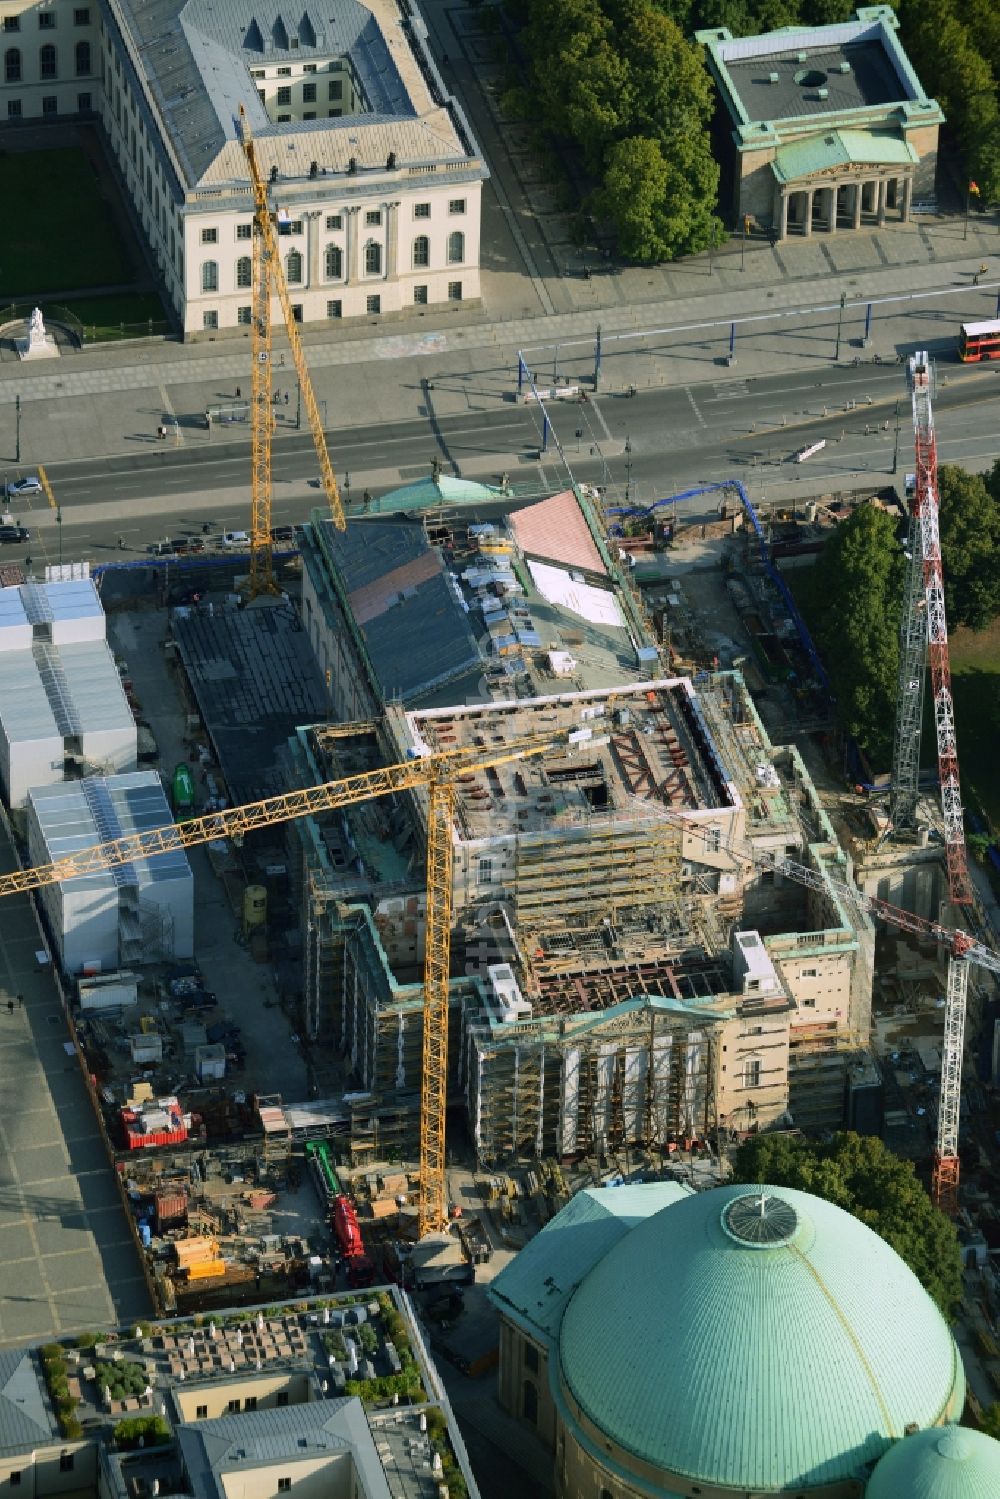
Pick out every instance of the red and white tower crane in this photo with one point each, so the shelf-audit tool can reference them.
(924, 636)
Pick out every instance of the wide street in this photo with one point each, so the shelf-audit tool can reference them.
(678, 437)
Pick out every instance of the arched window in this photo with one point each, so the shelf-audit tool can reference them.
(334, 262)
(529, 1401)
(373, 259)
(293, 268)
(243, 275)
(421, 252)
(12, 65)
(210, 275)
(47, 62)
(83, 59)
(456, 248)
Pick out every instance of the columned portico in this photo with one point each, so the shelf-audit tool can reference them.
(867, 198)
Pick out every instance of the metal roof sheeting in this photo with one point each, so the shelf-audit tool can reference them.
(762, 1360)
(953, 1463)
(838, 148)
(25, 1423)
(77, 814)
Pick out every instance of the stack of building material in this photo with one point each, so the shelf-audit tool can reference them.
(199, 1259)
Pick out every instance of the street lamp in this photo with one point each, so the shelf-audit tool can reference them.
(59, 524)
(840, 324)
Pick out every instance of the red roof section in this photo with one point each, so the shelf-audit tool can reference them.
(556, 529)
(375, 598)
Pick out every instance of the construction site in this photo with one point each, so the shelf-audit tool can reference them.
(479, 854)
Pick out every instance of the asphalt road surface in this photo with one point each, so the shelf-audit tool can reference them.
(677, 437)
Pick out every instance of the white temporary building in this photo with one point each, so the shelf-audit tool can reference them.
(61, 696)
(142, 912)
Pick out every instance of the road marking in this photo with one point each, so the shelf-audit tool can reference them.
(169, 411)
(694, 406)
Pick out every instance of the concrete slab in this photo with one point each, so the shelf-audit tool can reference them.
(73, 1271)
(15, 1244)
(64, 1235)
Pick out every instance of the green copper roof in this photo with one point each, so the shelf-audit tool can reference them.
(429, 493)
(951, 1464)
(534, 1287)
(840, 148)
(756, 1338)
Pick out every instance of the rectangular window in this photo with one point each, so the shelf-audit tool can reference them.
(244, 231)
(713, 840)
(50, 105)
(15, 1478)
(309, 93)
(284, 1484)
(243, 315)
(83, 104)
(201, 1412)
(751, 1072)
(257, 73)
(421, 210)
(808, 973)
(334, 114)
(335, 221)
(484, 874)
(297, 311)
(334, 309)
(335, 89)
(210, 236)
(261, 96)
(375, 304)
(308, 114)
(454, 291)
(284, 72)
(47, 20)
(309, 67)
(250, 1404)
(531, 1357)
(284, 119)
(210, 320)
(284, 96)
(456, 205)
(233, 1407)
(65, 1462)
(373, 216)
(281, 1398)
(13, 109)
(12, 23)
(81, 18)
(420, 300)
(294, 226)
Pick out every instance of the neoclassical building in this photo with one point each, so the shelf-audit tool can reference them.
(376, 178)
(829, 126)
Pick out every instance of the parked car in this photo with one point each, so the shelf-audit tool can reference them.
(282, 533)
(236, 538)
(31, 485)
(11, 534)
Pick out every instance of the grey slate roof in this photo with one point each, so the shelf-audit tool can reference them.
(235, 1444)
(196, 57)
(418, 637)
(25, 1422)
(872, 80)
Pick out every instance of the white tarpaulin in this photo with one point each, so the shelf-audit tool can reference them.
(557, 586)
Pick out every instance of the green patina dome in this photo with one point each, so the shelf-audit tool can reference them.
(758, 1338)
(951, 1464)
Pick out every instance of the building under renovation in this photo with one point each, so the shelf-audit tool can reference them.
(627, 965)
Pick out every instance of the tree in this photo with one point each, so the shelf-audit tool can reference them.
(970, 545)
(861, 1175)
(852, 601)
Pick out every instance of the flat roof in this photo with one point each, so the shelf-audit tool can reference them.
(870, 78)
(61, 690)
(73, 815)
(640, 748)
(254, 679)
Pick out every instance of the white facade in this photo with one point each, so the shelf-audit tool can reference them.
(139, 912)
(61, 698)
(376, 178)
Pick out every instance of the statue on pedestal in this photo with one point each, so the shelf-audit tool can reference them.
(38, 344)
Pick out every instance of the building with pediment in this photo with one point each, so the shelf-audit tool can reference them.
(829, 126)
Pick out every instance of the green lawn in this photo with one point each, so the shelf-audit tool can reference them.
(60, 233)
(975, 670)
(102, 317)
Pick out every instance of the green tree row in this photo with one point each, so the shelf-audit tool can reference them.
(620, 80)
(852, 597)
(862, 1176)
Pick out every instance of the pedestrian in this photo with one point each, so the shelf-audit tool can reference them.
(10, 1007)
(121, 543)
(239, 393)
(286, 397)
(20, 1001)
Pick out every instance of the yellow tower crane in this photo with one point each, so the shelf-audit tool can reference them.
(437, 774)
(268, 277)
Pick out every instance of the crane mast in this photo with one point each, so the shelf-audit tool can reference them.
(269, 277)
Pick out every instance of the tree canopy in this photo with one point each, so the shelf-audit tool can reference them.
(861, 1175)
(970, 545)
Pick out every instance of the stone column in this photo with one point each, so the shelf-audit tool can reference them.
(907, 198)
(859, 189)
(831, 222)
(312, 248)
(882, 186)
(783, 217)
(351, 248)
(807, 222)
(391, 239)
